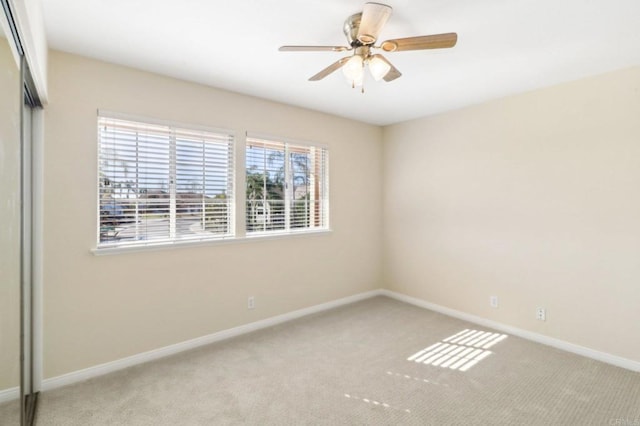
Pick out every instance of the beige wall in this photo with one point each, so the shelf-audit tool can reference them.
(534, 198)
(9, 216)
(101, 308)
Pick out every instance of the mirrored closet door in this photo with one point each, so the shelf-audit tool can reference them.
(28, 391)
(10, 225)
(17, 392)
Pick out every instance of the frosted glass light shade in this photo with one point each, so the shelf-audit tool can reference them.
(353, 68)
(378, 67)
(359, 81)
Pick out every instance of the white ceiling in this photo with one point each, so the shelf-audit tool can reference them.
(504, 47)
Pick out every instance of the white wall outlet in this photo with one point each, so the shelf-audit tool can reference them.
(251, 302)
(493, 301)
(541, 314)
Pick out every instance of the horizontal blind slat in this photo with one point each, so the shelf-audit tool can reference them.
(287, 187)
(161, 183)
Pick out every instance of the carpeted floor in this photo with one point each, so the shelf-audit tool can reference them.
(349, 366)
(10, 413)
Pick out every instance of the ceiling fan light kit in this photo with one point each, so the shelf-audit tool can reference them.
(378, 67)
(353, 68)
(362, 30)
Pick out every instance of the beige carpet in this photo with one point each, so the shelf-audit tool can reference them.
(10, 413)
(349, 366)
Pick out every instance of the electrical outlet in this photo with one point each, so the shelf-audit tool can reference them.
(493, 301)
(541, 314)
(251, 302)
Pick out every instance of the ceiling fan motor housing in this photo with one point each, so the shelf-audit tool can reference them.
(351, 27)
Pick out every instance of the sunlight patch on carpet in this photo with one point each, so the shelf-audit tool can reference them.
(415, 379)
(460, 351)
(376, 403)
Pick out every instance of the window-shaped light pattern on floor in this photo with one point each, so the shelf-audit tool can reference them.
(375, 403)
(460, 351)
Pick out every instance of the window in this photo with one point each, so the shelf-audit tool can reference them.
(159, 183)
(287, 186)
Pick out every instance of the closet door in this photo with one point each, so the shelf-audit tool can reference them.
(27, 388)
(10, 228)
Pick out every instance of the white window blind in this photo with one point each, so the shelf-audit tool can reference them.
(161, 184)
(287, 186)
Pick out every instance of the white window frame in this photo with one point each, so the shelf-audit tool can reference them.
(321, 196)
(174, 238)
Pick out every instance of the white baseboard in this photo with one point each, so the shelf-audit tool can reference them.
(10, 394)
(98, 370)
(535, 337)
(109, 367)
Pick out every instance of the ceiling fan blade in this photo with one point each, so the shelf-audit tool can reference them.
(393, 71)
(313, 48)
(328, 70)
(392, 74)
(435, 41)
(374, 16)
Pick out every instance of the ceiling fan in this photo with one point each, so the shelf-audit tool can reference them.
(362, 30)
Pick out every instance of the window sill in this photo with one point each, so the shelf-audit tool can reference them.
(267, 236)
